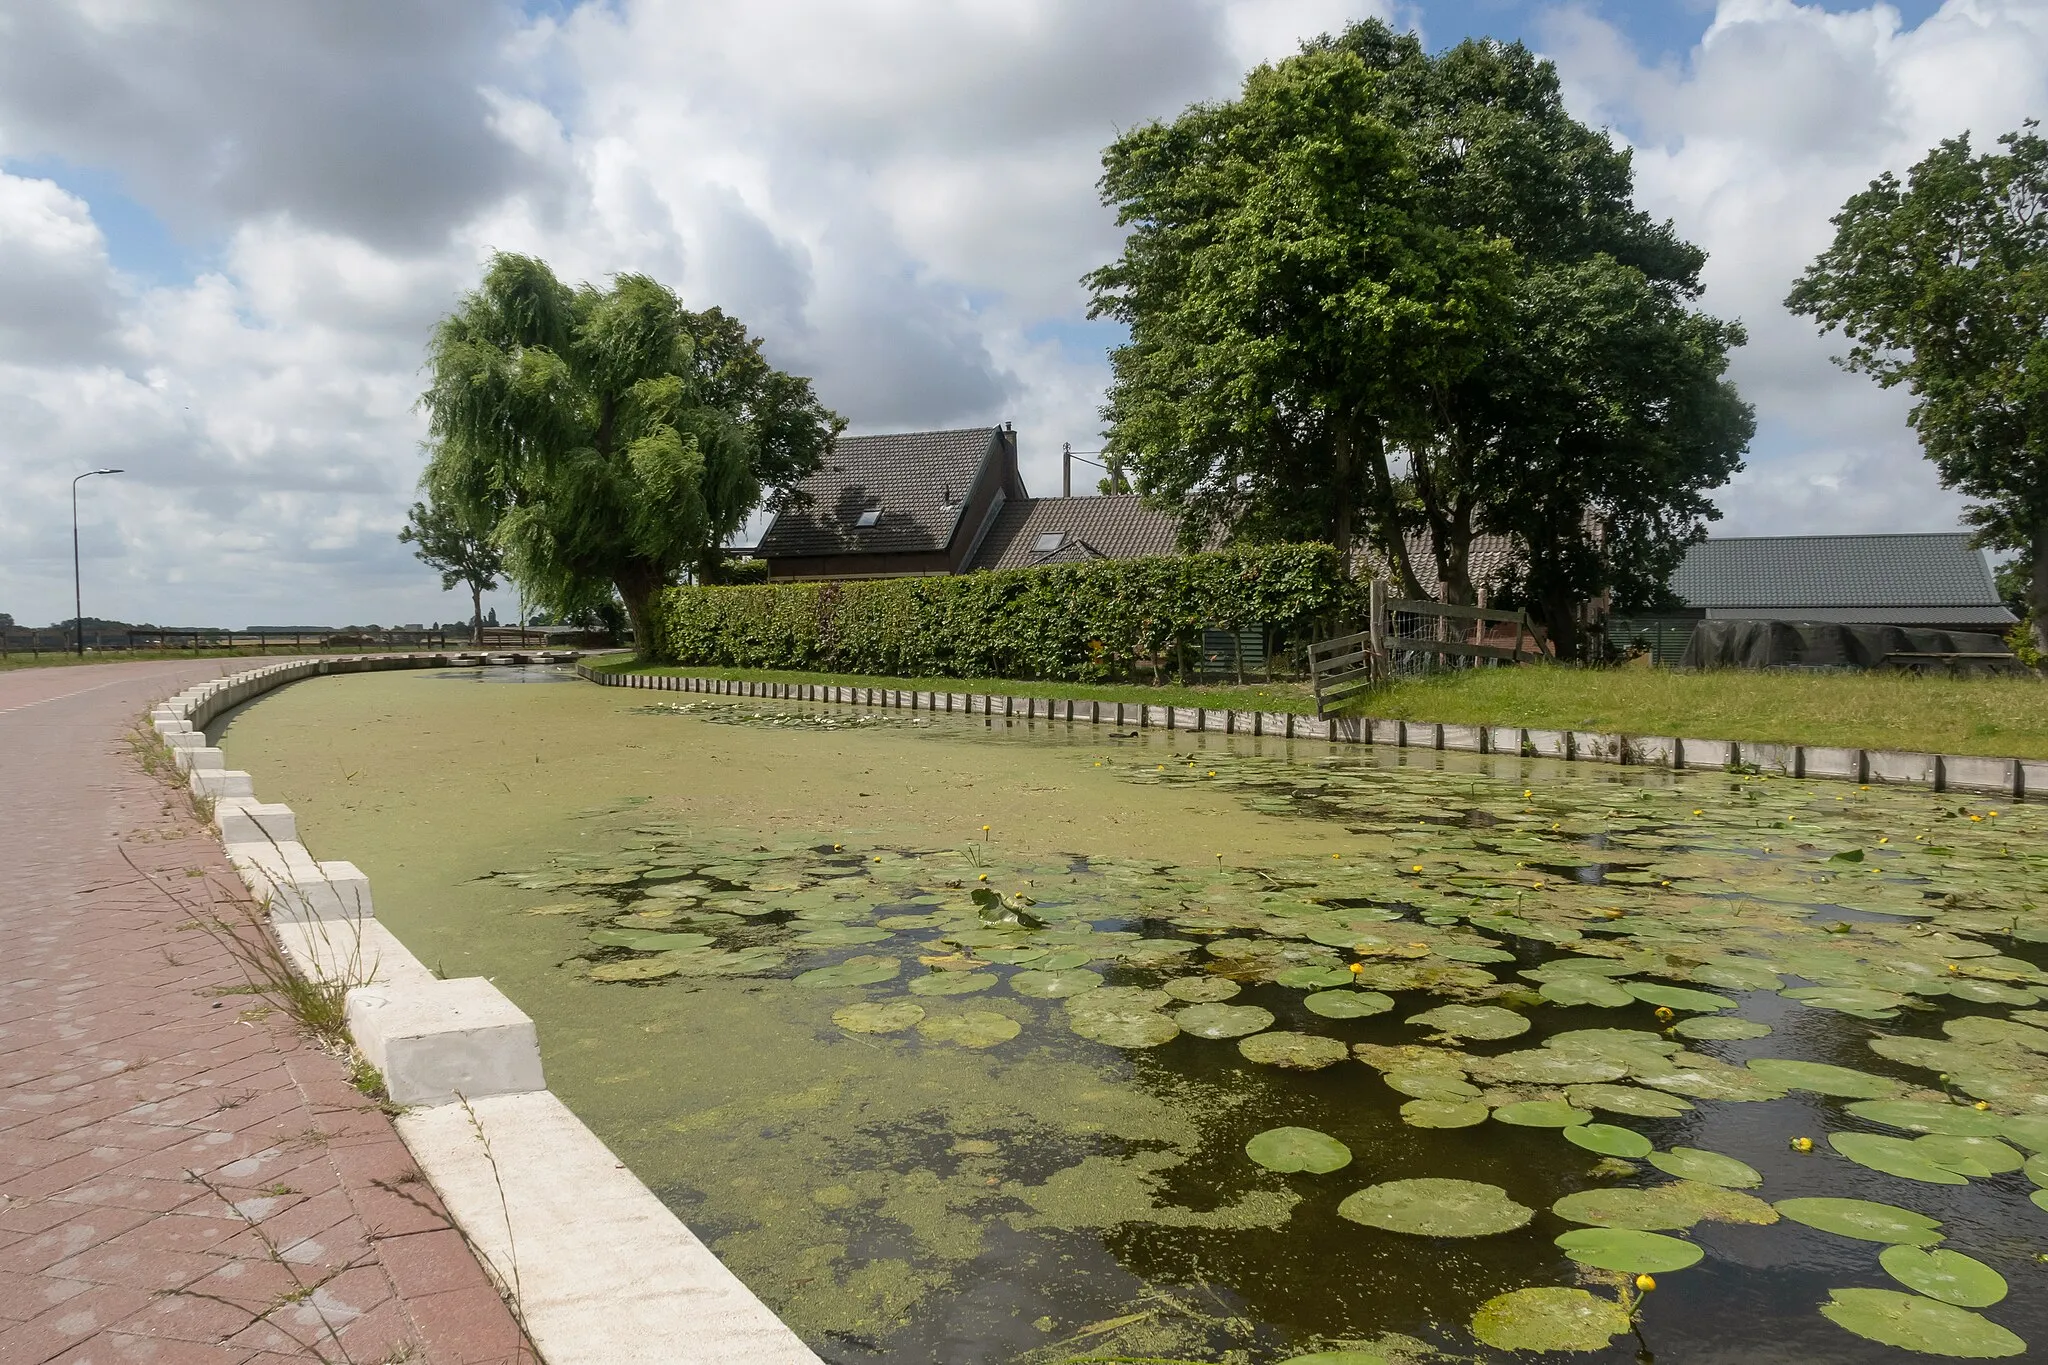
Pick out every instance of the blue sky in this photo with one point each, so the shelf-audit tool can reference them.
(224, 237)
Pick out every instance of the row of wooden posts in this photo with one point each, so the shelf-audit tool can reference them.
(1405, 636)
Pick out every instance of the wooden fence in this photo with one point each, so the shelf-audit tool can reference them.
(1405, 638)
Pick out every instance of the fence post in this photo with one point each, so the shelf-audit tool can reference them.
(1375, 613)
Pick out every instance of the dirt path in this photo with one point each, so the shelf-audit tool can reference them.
(182, 1177)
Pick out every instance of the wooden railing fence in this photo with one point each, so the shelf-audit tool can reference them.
(1405, 637)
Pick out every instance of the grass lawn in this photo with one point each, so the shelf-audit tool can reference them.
(2004, 717)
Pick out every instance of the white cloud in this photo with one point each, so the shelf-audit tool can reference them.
(899, 195)
(1780, 114)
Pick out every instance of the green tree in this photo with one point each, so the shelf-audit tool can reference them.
(452, 534)
(1941, 284)
(1367, 284)
(1287, 299)
(625, 437)
(1622, 425)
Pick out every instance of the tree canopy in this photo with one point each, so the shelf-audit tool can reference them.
(1370, 290)
(452, 533)
(614, 436)
(1940, 283)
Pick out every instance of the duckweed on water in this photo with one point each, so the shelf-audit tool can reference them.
(1578, 913)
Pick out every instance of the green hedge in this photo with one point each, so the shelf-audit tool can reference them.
(1089, 621)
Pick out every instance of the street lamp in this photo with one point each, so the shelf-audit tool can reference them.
(77, 594)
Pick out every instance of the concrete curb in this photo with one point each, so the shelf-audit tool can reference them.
(2015, 779)
(604, 1272)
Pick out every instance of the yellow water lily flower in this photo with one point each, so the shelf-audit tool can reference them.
(1802, 1144)
(1646, 1283)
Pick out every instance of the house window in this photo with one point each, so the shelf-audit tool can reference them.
(869, 518)
(1047, 543)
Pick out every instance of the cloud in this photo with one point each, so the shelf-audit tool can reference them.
(367, 118)
(899, 196)
(58, 297)
(1778, 115)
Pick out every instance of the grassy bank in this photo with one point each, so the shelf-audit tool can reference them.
(2002, 716)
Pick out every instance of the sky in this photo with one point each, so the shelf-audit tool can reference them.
(227, 226)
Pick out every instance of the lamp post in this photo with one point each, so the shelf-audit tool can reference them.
(77, 593)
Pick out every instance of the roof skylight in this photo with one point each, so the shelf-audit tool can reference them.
(869, 518)
(1047, 543)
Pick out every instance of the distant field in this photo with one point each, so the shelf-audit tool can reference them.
(47, 659)
(2001, 716)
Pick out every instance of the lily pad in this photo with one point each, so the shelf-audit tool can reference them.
(635, 969)
(1425, 1084)
(1305, 977)
(1127, 1027)
(841, 935)
(1710, 1168)
(973, 1029)
(1293, 1051)
(1609, 1139)
(1223, 1021)
(1864, 1220)
(647, 940)
(1946, 1275)
(1678, 1205)
(1298, 1149)
(1822, 1079)
(1920, 1324)
(1542, 1114)
(1042, 985)
(1337, 1358)
(1436, 1208)
(1583, 988)
(1719, 1028)
(878, 1017)
(1546, 1066)
(860, 970)
(1629, 1251)
(1347, 1004)
(1472, 1021)
(1199, 990)
(1628, 1099)
(1677, 997)
(953, 983)
(1893, 1156)
(1978, 1156)
(1444, 1113)
(1862, 1001)
(1929, 1116)
(1549, 1319)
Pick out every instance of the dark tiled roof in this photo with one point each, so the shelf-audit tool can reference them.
(1488, 559)
(1113, 526)
(907, 476)
(1988, 617)
(1785, 573)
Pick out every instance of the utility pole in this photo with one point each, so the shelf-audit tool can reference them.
(1066, 469)
(78, 592)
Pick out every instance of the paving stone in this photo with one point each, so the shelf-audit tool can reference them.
(123, 1066)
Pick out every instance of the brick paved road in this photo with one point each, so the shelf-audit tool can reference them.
(182, 1179)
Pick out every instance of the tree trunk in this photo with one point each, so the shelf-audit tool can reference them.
(1561, 620)
(2037, 598)
(476, 618)
(1341, 535)
(1393, 542)
(637, 585)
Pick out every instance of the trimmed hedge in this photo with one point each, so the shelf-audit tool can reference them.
(1072, 622)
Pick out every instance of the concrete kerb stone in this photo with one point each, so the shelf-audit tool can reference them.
(2019, 778)
(1992, 776)
(605, 1271)
(438, 1040)
(1896, 766)
(1706, 753)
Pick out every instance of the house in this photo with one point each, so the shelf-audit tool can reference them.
(1930, 581)
(945, 502)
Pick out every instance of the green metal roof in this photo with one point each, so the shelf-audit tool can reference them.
(1786, 573)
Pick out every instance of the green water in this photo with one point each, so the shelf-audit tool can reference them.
(1029, 1152)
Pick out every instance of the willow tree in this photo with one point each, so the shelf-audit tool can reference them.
(621, 437)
